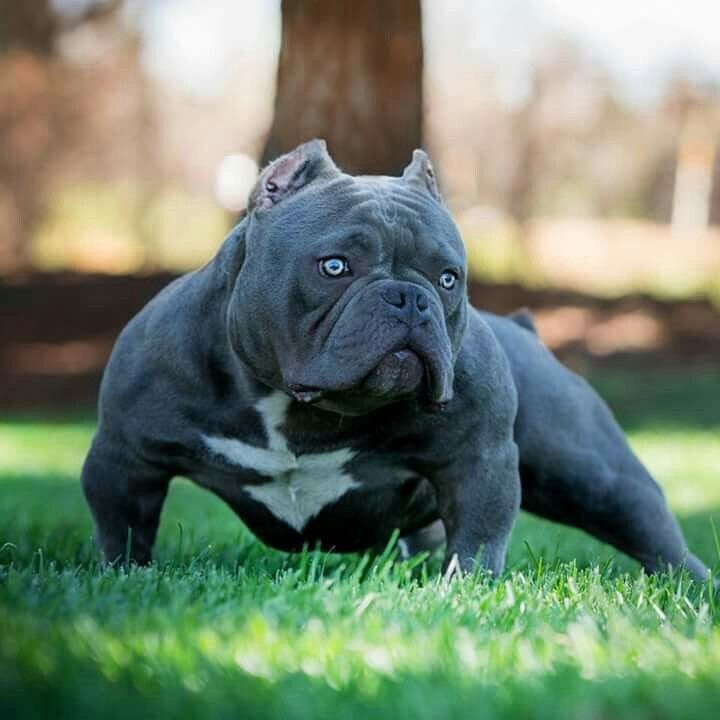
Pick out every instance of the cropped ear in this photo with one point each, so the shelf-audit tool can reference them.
(290, 173)
(421, 173)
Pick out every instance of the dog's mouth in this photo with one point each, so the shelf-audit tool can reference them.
(400, 373)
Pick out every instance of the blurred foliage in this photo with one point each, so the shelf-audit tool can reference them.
(183, 231)
(494, 247)
(606, 258)
(121, 228)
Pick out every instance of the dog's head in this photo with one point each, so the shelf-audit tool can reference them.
(351, 293)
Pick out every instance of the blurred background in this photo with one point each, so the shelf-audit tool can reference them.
(577, 145)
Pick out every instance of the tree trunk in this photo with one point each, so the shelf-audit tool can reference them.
(350, 72)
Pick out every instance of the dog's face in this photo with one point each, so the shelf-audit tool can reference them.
(352, 291)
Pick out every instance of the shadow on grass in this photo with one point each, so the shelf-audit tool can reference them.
(662, 399)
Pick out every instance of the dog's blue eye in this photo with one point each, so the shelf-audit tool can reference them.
(334, 267)
(447, 280)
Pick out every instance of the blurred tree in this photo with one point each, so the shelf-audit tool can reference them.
(27, 29)
(34, 25)
(41, 111)
(350, 72)
(30, 25)
(715, 192)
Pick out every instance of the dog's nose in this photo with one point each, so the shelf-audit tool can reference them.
(409, 302)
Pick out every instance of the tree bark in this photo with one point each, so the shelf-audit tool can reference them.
(350, 72)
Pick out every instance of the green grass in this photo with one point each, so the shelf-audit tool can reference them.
(224, 627)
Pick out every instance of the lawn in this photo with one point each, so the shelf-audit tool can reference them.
(224, 627)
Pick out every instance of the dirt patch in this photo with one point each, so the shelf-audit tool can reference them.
(635, 330)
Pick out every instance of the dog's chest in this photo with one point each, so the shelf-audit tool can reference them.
(299, 485)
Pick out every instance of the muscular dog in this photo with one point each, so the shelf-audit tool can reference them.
(326, 376)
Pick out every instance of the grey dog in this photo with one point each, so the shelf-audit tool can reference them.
(325, 375)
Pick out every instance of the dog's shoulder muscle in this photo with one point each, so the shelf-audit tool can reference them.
(484, 377)
(165, 359)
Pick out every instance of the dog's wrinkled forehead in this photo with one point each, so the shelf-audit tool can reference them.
(303, 192)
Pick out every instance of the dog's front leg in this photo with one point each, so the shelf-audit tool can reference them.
(478, 500)
(126, 497)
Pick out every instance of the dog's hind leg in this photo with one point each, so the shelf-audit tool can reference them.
(621, 505)
(639, 523)
(576, 466)
(427, 538)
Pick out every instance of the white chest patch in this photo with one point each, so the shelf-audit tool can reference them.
(301, 485)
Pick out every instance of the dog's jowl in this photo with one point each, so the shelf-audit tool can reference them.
(325, 375)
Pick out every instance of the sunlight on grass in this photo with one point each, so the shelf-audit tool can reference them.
(686, 464)
(190, 630)
(471, 629)
(36, 447)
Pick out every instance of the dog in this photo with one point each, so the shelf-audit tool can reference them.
(325, 375)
